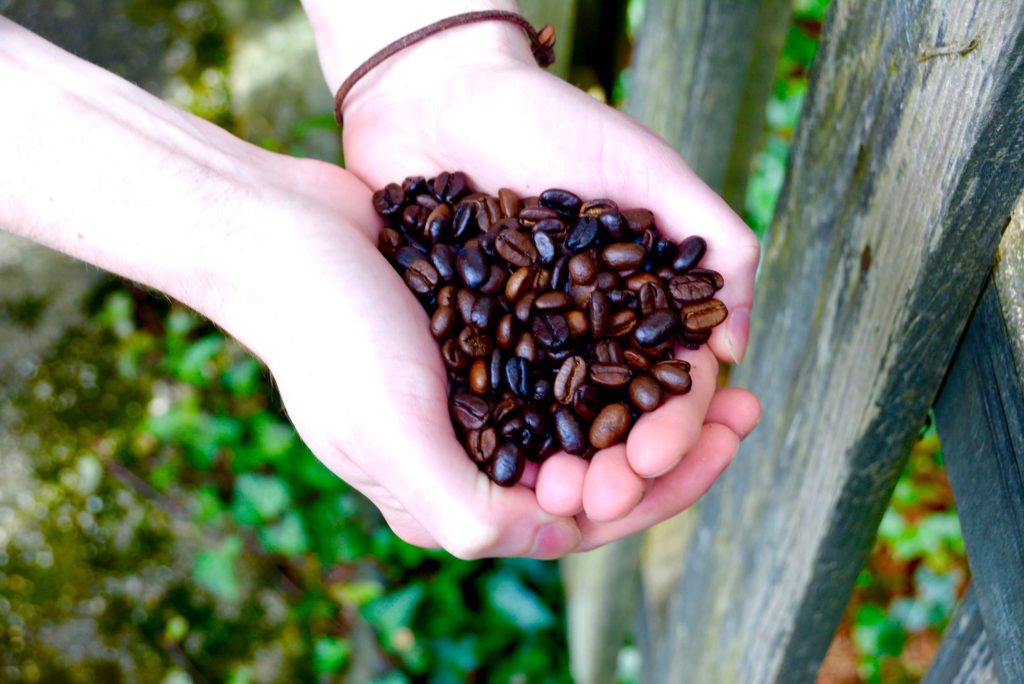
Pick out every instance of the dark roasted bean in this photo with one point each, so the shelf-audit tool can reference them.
(655, 327)
(446, 295)
(552, 301)
(541, 390)
(414, 219)
(582, 268)
(568, 431)
(495, 370)
(662, 251)
(611, 375)
(464, 220)
(533, 215)
(512, 428)
(510, 204)
(441, 258)
(437, 223)
(428, 202)
(478, 377)
(623, 256)
(468, 411)
(713, 277)
(687, 289)
(560, 274)
(570, 377)
(495, 282)
(421, 277)
(587, 402)
(636, 360)
(505, 410)
(607, 281)
(472, 267)
(689, 253)
(638, 220)
(414, 185)
(621, 298)
(555, 229)
(454, 358)
(522, 280)
(389, 242)
(599, 311)
(551, 330)
(404, 256)
(526, 347)
(648, 297)
(507, 465)
(441, 322)
(610, 426)
(516, 247)
(503, 336)
(614, 225)
(583, 235)
(474, 343)
(596, 207)
(517, 375)
(448, 186)
(578, 324)
(645, 393)
(638, 280)
(484, 313)
(547, 250)
(703, 315)
(482, 443)
(562, 201)
(693, 340)
(621, 323)
(388, 200)
(465, 300)
(524, 305)
(673, 375)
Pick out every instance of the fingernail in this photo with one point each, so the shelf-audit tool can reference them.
(555, 540)
(737, 330)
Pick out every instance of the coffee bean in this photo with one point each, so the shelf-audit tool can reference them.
(495, 371)
(474, 343)
(610, 426)
(495, 282)
(560, 274)
(464, 220)
(648, 297)
(506, 466)
(687, 289)
(541, 391)
(638, 220)
(621, 298)
(465, 300)
(533, 215)
(703, 315)
(583, 235)
(611, 375)
(478, 378)
(469, 412)
(623, 256)
(673, 375)
(645, 393)
(524, 305)
(547, 250)
(621, 323)
(600, 314)
(562, 201)
(636, 359)
(571, 376)
(414, 219)
(517, 375)
(441, 259)
(661, 252)
(388, 201)
(655, 327)
(484, 313)
(587, 402)
(453, 356)
(713, 277)
(438, 223)
(596, 207)
(526, 347)
(506, 409)
(606, 281)
(442, 322)
(552, 301)
(482, 443)
(582, 269)
(504, 334)
(689, 253)
(608, 351)
(404, 256)
(551, 330)
(421, 277)
(389, 242)
(472, 267)
(510, 204)
(614, 225)
(636, 281)
(516, 247)
(448, 186)
(521, 280)
(568, 431)
(693, 340)
(414, 185)
(578, 323)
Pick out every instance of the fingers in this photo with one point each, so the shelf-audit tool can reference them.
(671, 493)
(611, 488)
(560, 484)
(660, 439)
(736, 408)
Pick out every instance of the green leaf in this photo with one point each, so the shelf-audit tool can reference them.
(330, 654)
(287, 536)
(259, 498)
(214, 570)
(394, 611)
(196, 364)
(512, 599)
(273, 437)
(242, 378)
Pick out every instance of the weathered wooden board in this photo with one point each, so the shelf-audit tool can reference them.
(965, 656)
(980, 417)
(907, 161)
(701, 75)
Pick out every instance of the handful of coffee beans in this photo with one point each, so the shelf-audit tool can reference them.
(556, 317)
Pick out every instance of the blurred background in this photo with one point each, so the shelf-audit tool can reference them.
(160, 521)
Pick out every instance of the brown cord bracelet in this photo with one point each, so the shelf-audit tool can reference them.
(542, 44)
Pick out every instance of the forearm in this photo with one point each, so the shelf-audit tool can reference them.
(97, 168)
(347, 33)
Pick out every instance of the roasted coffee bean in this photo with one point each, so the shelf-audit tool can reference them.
(465, 300)
(609, 351)
(623, 299)
(437, 223)
(583, 235)
(389, 242)
(534, 418)
(495, 371)
(673, 375)
(599, 311)
(533, 215)
(484, 313)
(623, 256)
(428, 202)
(541, 391)
(388, 201)
(645, 393)
(687, 289)
(689, 253)
(442, 322)
(562, 201)
(448, 186)
(713, 277)
(638, 220)
(587, 402)
(596, 207)
(560, 274)
(482, 443)
(421, 277)
(578, 323)
(441, 258)
(547, 447)
(552, 301)
(611, 375)
(506, 409)
(693, 340)
(524, 305)
(414, 219)
(526, 347)
(478, 377)
(551, 330)
(512, 428)
(495, 282)
(504, 335)
(614, 225)
(516, 247)
(638, 280)
(655, 327)
(553, 227)
(474, 343)
(404, 256)
(582, 268)
(621, 323)
(507, 465)
(571, 376)
(610, 426)
(517, 375)
(606, 281)
(704, 315)
(662, 251)
(568, 431)
(414, 185)
(446, 295)
(464, 220)
(547, 250)
(472, 267)
(469, 412)
(454, 358)
(510, 204)
(636, 360)
(648, 297)
(521, 280)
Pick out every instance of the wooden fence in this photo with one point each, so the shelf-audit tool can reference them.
(892, 282)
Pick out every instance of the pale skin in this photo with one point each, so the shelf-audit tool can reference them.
(281, 253)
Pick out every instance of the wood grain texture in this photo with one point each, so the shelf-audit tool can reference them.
(965, 656)
(701, 74)
(903, 173)
(980, 418)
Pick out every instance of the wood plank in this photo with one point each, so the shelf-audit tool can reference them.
(907, 161)
(701, 75)
(965, 656)
(980, 418)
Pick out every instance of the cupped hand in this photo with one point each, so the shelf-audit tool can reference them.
(494, 114)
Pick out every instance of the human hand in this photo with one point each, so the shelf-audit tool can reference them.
(447, 104)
